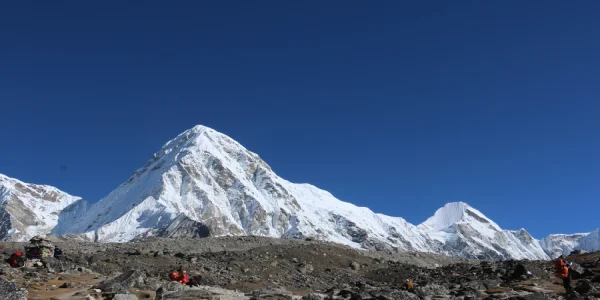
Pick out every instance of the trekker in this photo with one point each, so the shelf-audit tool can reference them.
(58, 254)
(562, 269)
(408, 285)
(180, 276)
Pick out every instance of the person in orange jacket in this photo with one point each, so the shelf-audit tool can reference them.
(180, 276)
(562, 270)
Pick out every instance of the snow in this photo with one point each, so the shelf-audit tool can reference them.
(209, 178)
(33, 208)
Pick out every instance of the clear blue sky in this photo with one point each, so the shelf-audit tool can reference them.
(400, 106)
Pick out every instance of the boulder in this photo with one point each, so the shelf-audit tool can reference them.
(585, 286)
(536, 296)
(272, 293)
(204, 292)
(306, 269)
(11, 291)
(122, 283)
(67, 285)
(355, 266)
(313, 296)
(125, 297)
(431, 290)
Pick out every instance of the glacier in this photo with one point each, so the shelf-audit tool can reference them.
(205, 183)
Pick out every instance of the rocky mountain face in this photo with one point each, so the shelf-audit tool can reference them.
(203, 183)
(27, 210)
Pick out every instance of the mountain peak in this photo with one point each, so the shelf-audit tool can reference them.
(453, 213)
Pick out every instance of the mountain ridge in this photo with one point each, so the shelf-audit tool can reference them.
(202, 181)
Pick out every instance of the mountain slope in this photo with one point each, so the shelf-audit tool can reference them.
(27, 209)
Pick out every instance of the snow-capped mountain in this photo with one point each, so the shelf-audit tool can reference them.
(213, 182)
(27, 210)
(204, 183)
(557, 244)
(464, 231)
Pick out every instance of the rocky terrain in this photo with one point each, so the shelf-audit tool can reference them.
(266, 268)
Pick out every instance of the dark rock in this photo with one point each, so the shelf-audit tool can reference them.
(11, 291)
(67, 285)
(179, 255)
(585, 286)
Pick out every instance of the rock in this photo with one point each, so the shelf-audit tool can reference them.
(179, 255)
(122, 283)
(295, 260)
(173, 286)
(535, 296)
(11, 291)
(80, 294)
(596, 279)
(306, 269)
(67, 285)
(203, 292)
(313, 296)
(158, 253)
(272, 293)
(585, 286)
(355, 266)
(431, 290)
(125, 297)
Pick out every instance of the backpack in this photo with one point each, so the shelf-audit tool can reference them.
(174, 276)
(561, 269)
(17, 260)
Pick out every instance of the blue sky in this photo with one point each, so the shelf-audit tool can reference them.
(400, 107)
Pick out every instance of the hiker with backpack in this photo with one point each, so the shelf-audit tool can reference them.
(562, 270)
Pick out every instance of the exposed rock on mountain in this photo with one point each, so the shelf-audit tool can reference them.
(27, 210)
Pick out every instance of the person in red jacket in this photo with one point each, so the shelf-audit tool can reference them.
(562, 269)
(180, 276)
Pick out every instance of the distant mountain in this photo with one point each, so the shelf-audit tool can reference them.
(27, 209)
(557, 244)
(204, 183)
(466, 232)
